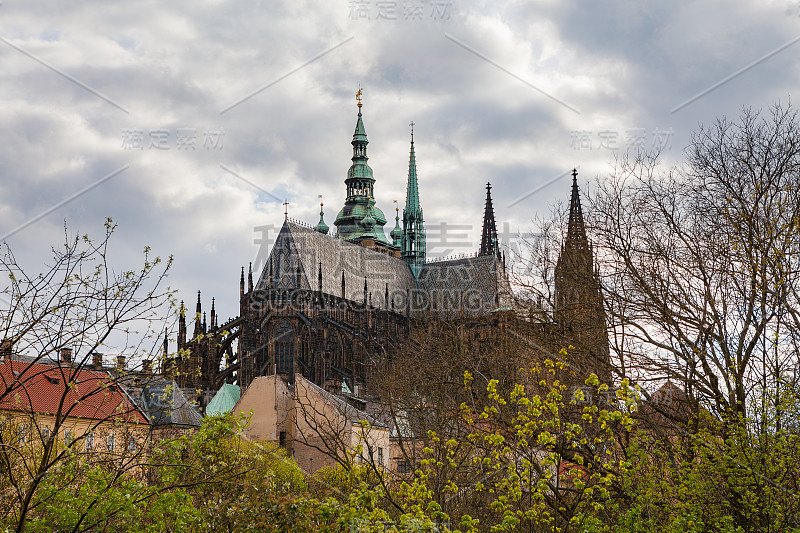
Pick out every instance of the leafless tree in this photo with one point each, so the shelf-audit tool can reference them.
(700, 261)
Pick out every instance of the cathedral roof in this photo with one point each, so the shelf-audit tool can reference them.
(470, 285)
(300, 250)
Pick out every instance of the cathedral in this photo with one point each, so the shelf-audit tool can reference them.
(334, 305)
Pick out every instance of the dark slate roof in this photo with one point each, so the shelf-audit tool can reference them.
(161, 400)
(474, 285)
(300, 246)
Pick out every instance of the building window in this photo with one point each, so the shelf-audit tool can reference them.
(380, 456)
(284, 348)
(68, 438)
(45, 432)
(282, 439)
(110, 442)
(131, 444)
(89, 441)
(22, 434)
(403, 466)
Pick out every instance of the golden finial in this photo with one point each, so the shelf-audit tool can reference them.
(358, 97)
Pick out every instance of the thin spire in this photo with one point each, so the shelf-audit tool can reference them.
(412, 242)
(489, 245)
(576, 229)
(412, 191)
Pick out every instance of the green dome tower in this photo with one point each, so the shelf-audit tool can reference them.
(359, 219)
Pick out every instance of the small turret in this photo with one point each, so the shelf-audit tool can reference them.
(213, 315)
(321, 226)
(182, 327)
(198, 325)
(397, 233)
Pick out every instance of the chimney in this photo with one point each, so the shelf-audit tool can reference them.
(147, 366)
(66, 355)
(6, 349)
(120, 362)
(97, 360)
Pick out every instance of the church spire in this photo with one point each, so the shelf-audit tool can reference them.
(412, 190)
(578, 295)
(412, 245)
(489, 244)
(576, 229)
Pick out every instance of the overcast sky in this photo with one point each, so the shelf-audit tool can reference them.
(189, 123)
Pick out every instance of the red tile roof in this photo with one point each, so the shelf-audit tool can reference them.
(50, 389)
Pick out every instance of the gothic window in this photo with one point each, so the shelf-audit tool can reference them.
(284, 348)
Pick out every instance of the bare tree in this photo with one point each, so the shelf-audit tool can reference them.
(701, 261)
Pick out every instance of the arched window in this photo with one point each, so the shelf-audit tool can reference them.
(284, 348)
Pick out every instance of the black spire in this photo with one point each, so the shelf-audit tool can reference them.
(576, 229)
(213, 315)
(489, 245)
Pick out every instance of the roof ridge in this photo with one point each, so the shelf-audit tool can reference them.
(345, 242)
